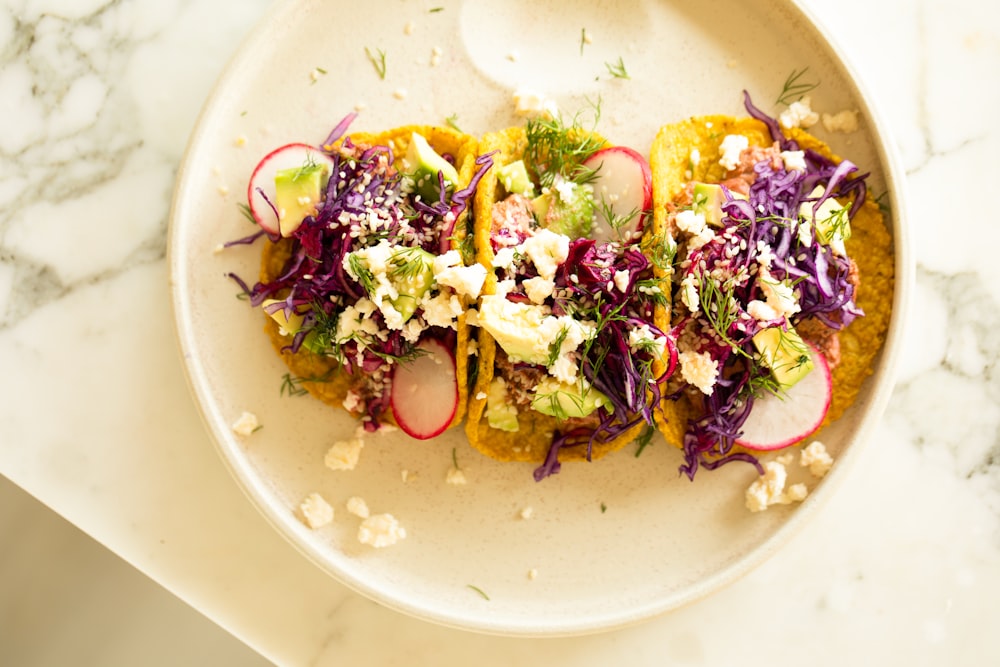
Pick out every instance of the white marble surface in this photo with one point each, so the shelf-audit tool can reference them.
(98, 99)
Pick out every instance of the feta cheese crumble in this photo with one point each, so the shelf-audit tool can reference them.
(246, 424)
(700, 370)
(769, 489)
(358, 507)
(530, 104)
(316, 511)
(815, 457)
(843, 121)
(547, 250)
(455, 477)
(344, 454)
(799, 114)
(381, 530)
(731, 147)
(794, 160)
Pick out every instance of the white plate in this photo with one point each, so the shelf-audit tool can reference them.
(613, 542)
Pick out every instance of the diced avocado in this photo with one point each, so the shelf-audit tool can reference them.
(289, 326)
(424, 164)
(570, 213)
(411, 272)
(833, 226)
(297, 191)
(785, 353)
(514, 178)
(500, 414)
(561, 400)
(708, 200)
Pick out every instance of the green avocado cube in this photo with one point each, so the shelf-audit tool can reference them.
(785, 353)
(423, 164)
(297, 191)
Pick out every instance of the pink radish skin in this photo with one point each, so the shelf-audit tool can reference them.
(780, 421)
(424, 394)
(288, 156)
(624, 182)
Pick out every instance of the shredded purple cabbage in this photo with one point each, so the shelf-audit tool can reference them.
(313, 282)
(822, 279)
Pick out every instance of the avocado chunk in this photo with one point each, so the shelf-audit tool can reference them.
(289, 326)
(297, 191)
(708, 199)
(411, 272)
(514, 178)
(784, 352)
(500, 414)
(568, 210)
(424, 164)
(561, 400)
(833, 224)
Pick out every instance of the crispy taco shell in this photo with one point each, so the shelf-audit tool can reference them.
(869, 245)
(322, 376)
(531, 442)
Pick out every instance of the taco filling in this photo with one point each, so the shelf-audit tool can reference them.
(572, 353)
(362, 272)
(766, 279)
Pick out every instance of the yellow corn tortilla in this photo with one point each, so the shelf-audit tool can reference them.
(870, 246)
(321, 376)
(530, 443)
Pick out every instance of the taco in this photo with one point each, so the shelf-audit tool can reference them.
(784, 260)
(363, 278)
(573, 344)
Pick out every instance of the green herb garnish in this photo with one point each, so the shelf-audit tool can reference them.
(644, 438)
(555, 148)
(617, 69)
(377, 59)
(795, 88)
(480, 591)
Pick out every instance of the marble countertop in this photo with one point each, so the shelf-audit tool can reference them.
(902, 566)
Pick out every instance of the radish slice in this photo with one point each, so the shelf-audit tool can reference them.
(780, 421)
(261, 184)
(623, 183)
(425, 391)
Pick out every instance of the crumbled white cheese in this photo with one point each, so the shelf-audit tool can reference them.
(466, 280)
(533, 574)
(761, 311)
(700, 370)
(799, 114)
(779, 293)
(769, 489)
(689, 293)
(842, 121)
(351, 401)
(246, 424)
(405, 475)
(441, 310)
(527, 513)
(642, 338)
(455, 477)
(690, 222)
(538, 289)
(546, 250)
(380, 530)
(621, 280)
(358, 507)
(815, 457)
(344, 454)
(504, 258)
(316, 511)
(399, 93)
(794, 160)
(786, 458)
(731, 147)
(530, 104)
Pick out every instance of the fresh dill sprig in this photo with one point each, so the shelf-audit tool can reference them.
(644, 438)
(795, 88)
(247, 213)
(661, 250)
(720, 309)
(435, 10)
(583, 39)
(406, 263)
(839, 223)
(364, 275)
(553, 147)
(479, 590)
(292, 385)
(454, 458)
(883, 205)
(377, 59)
(452, 122)
(555, 349)
(617, 69)
(615, 221)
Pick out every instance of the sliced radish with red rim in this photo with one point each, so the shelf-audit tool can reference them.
(778, 421)
(261, 190)
(425, 391)
(623, 187)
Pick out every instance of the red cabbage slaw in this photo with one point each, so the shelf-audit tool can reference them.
(366, 201)
(765, 223)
